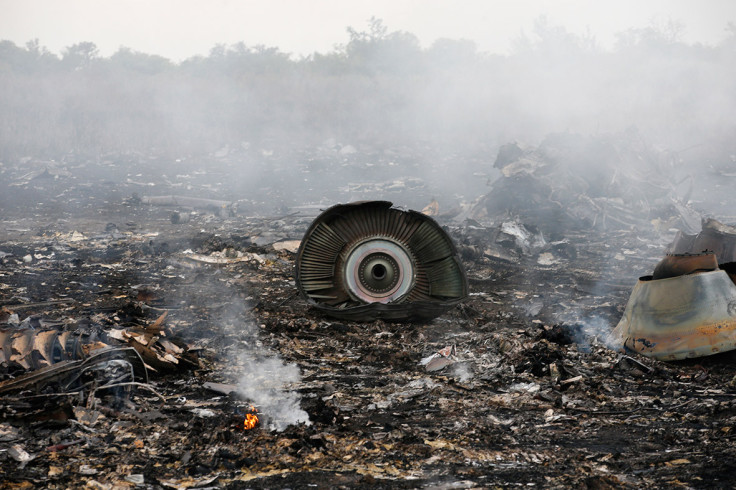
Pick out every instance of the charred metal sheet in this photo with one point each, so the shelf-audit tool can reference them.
(28, 349)
(101, 369)
(674, 265)
(714, 237)
(368, 260)
(681, 316)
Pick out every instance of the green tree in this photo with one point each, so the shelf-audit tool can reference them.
(377, 50)
(128, 60)
(80, 55)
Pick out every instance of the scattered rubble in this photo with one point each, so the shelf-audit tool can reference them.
(573, 182)
(220, 208)
(530, 395)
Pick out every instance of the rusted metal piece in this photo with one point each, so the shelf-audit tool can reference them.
(714, 237)
(29, 349)
(368, 260)
(680, 317)
(674, 265)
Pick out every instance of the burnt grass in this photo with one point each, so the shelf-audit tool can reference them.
(535, 397)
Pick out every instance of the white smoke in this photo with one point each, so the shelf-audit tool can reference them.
(462, 372)
(598, 330)
(265, 382)
(264, 378)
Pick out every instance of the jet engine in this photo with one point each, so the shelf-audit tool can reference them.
(368, 260)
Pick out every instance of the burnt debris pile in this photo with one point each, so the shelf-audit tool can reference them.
(607, 182)
(141, 350)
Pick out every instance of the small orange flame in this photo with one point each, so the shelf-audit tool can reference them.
(251, 419)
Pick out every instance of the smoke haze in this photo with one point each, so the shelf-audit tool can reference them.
(378, 117)
(376, 109)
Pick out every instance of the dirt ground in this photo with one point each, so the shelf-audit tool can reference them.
(535, 398)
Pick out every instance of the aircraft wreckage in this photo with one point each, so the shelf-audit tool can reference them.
(368, 260)
(687, 307)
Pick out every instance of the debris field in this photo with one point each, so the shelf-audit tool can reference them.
(515, 386)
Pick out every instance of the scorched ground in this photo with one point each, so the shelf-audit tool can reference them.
(533, 395)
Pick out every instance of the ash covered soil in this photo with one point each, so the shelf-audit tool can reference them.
(534, 398)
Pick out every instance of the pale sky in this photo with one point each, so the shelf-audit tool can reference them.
(179, 29)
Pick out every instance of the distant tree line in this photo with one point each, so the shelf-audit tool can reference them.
(380, 88)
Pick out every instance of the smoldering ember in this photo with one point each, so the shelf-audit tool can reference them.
(175, 314)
